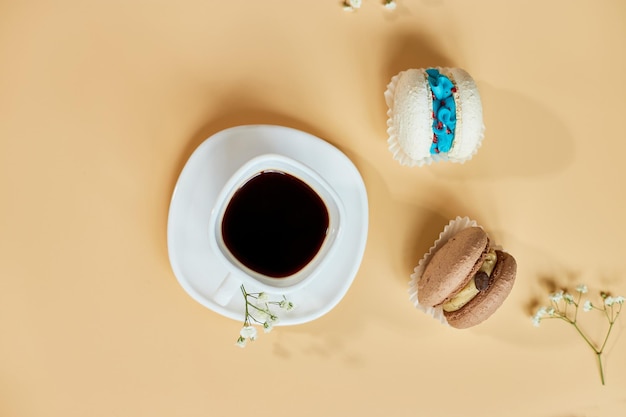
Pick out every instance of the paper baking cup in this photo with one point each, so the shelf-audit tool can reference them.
(392, 141)
(461, 97)
(454, 227)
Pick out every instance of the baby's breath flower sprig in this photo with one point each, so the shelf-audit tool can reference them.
(259, 311)
(389, 4)
(352, 5)
(564, 306)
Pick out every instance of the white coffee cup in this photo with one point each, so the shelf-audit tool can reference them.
(238, 273)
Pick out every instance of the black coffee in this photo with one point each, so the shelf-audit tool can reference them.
(275, 224)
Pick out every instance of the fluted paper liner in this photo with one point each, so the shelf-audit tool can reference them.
(454, 227)
(392, 141)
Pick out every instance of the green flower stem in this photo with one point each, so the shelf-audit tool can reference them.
(576, 304)
(246, 321)
(611, 308)
(598, 351)
(607, 336)
(249, 304)
(599, 356)
(589, 342)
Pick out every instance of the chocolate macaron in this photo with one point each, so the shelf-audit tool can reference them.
(464, 279)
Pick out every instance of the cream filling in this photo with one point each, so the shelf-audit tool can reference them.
(470, 291)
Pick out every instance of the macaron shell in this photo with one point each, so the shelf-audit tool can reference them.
(487, 302)
(469, 125)
(410, 123)
(452, 266)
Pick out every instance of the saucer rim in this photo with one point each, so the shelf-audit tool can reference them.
(358, 205)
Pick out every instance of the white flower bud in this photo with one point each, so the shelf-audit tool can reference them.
(390, 5)
(557, 296)
(248, 332)
(582, 288)
(539, 315)
(587, 306)
(536, 320)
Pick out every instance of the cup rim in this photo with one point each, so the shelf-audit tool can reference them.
(329, 196)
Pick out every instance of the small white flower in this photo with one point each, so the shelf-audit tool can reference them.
(619, 299)
(609, 301)
(248, 332)
(587, 306)
(582, 288)
(258, 311)
(557, 296)
(355, 4)
(390, 5)
(348, 7)
(539, 315)
(551, 311)
(272, 318)
(568, 298)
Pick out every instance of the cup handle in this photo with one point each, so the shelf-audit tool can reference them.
(226, 290)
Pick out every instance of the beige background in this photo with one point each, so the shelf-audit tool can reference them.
(101, 104)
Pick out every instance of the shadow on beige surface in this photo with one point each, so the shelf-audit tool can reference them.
(525, 140)
(410, 50)
(236, 110)
(402, 244)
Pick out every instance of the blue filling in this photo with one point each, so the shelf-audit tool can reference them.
(444, 111)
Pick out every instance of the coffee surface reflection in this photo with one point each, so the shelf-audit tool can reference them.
(275, 224)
